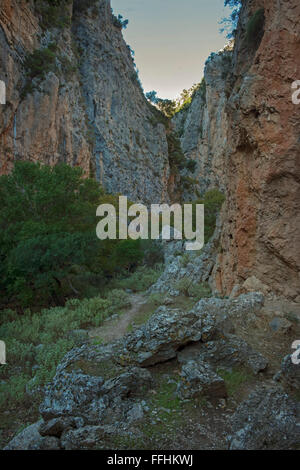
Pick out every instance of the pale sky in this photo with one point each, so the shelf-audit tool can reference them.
(172, 40)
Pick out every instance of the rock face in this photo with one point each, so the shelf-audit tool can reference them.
(89, 110)
(203, 126)
(244, 134)
(261, 216)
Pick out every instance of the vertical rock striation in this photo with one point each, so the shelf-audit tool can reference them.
(88, 109)
(245, 138)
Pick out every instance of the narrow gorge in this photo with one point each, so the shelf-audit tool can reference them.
(208, 345)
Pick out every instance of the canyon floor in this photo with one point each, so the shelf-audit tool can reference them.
(129, 386)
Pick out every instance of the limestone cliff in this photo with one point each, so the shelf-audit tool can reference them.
(244, 135)
(88, 108)
(203, 125)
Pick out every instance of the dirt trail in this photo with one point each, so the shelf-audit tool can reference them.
(118, 327)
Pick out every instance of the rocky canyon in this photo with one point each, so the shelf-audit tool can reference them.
(73, 96)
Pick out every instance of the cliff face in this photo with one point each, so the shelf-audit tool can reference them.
(250, 147)
(242, 129)
(203, 125)
(88, 109)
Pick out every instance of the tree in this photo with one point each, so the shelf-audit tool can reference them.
(152, 96)
(168, 107)
(230, 24)
(47, 224)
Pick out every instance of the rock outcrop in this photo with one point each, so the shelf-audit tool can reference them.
(243, 131)
(88, 110)
(99, 391)
(267, 419)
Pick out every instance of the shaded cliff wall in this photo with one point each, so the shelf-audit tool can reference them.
(249, 147)
(202, 127)
(88, 110)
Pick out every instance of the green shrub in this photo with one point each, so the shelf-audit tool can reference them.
(118, 298)
(213, 201)
(54, 13)
(40, 62)
(255, 27)
(183, 286)
(119, 22)
(156, 299)
(234, 379)
(175, 153)
(200, 291)
(141, 279)
(36, 343)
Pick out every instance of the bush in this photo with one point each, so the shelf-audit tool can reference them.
(175, 153)
(53, 13)
(119, 22)
(255, 28)
(198, 291)
(36, 343)
(49, 251)
(213, 201)
(40, 62)
(141, 279)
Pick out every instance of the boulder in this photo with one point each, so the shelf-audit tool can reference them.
(168, 330)
(267, 419)
(289, 373)
(31, 439)
(229, 351)
(200, 379)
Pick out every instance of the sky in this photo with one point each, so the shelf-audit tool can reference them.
(172, 40)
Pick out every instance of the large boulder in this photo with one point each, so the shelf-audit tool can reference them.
(31, 439)
(87, 397)
(200, 379)
(229, 351)
(169, 330)
(268, 419)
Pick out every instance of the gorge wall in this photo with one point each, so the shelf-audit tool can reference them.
(88, 109)
(242, 129)
(244, 134)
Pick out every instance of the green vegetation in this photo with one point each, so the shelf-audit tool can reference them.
(255, 27)
(119, 22)
(197, 291)
(36, 342)
(37, 65)
(229, 25)
(170, 107)
(234, 379)
(54, 13)
(175, 153)
(49, 251)
(213, 201)
(187, 96)
(140, 280)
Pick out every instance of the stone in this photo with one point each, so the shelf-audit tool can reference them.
(229, 351)
(68, 393)
(87, 437)
(56, 426)
(169, 330)
(289, 373)
(199, 379)
(252, 284)
(267, 419)
(30, 439)
(280, 325)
